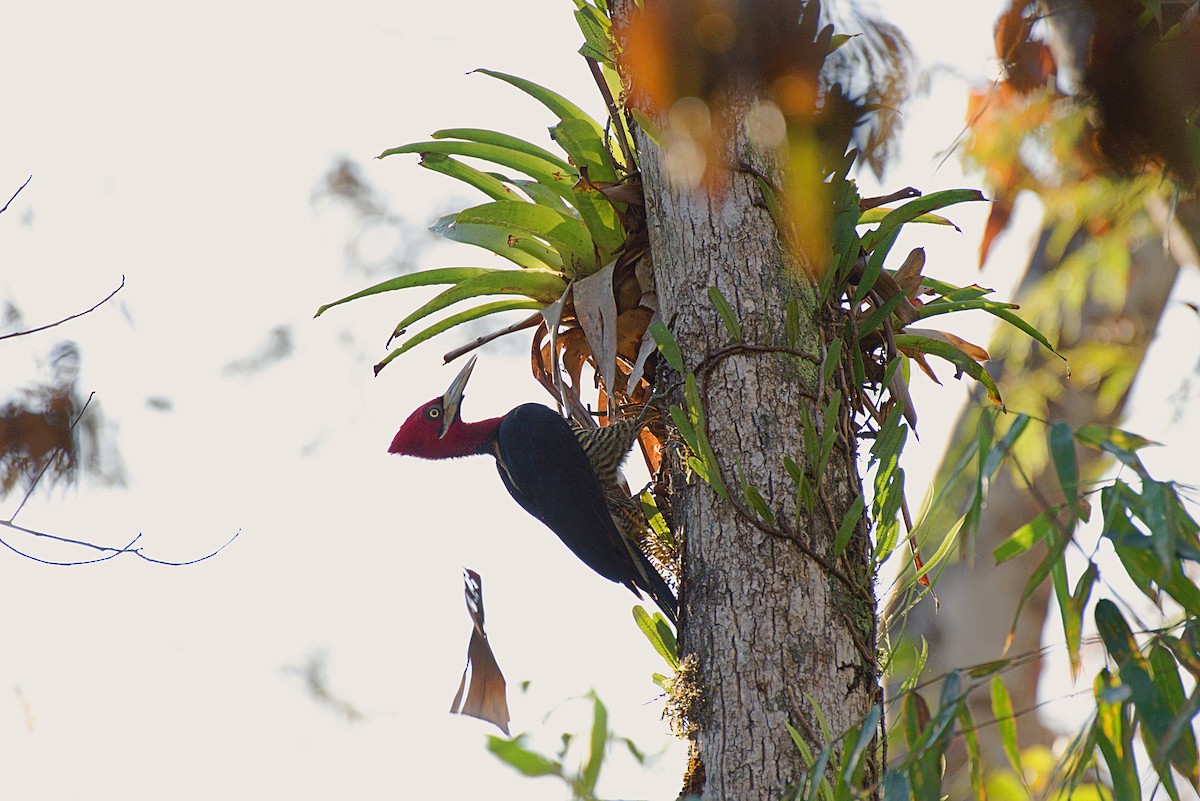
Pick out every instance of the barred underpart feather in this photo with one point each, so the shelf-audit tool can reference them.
(607, 448)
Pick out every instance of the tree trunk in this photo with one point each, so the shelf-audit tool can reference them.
(770, 635)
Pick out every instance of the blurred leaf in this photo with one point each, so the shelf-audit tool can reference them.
(516, 755)
(1006, 723)
(598, 745)
(1114, 737)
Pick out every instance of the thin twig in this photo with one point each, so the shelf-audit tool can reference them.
(65, 319)
(613, 113)
(14, 196)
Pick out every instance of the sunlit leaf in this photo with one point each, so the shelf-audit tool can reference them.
(564, 233)
(443, 275)
(564, 109)
(537, 285)
(506, 141)
(524, 251)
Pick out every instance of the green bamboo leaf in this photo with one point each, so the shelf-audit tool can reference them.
(1072, 616)
(947, 351)
(658, 632)
(909, 211)
(530, 763)
(443, 275)
(1062, 451)
(1178, 743)
(536, 285)
(541, 170)
(896, 787)
(818, 784)
(488, 184)
(506, 141)
(726, 312)
(1121, 444)
(1056, 546)
(564, 233)
(1114, 737)
(523, 251)
(852, 760)
(1006, 722)
(1024, 538)
(667, 345)
(564, 109)
(1002, 448)
(974, 755)
(829, 433)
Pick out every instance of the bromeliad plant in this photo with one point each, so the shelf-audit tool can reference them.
(573, 228)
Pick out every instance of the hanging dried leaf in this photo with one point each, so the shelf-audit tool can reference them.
(596, 310)
(486, 696)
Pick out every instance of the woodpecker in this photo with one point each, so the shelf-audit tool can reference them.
(607, 447)
(547, 471)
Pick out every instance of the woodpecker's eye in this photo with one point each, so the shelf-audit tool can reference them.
(434, 412)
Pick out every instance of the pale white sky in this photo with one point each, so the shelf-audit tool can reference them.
(181, 150)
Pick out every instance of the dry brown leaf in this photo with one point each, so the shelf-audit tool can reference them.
(486, 693)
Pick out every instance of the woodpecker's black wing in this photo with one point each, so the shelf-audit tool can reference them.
(546, 470)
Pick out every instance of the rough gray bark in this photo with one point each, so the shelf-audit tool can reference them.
(770, 630)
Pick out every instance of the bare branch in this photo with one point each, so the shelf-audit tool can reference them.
(65, 319)
(108, 551)
(14, 195)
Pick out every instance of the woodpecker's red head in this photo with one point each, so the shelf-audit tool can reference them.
(436, 431)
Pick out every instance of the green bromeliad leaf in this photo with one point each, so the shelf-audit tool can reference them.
(543, 287)
(503, 140)
(444, 275)
(544, 171)
(474, 313)
(563, 232)
(563, 108)
(489, 184)
(524, 251)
